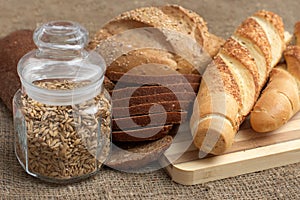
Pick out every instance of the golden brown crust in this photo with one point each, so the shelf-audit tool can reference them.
(278, 102)
(292, 57)
(252, 31)
(194, 25)
(297, 32)
(217, 104)
(233, 49)
(140, 57)
(247, 57)
(188, 21)
(229, 83)
(170, 17)
(284, 83)
(273, 19)
(221, 134)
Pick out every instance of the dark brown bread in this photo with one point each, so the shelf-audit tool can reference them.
(148, 90)
(139, 155)
(108, 84)
(194, 86)
(141, 134)
(153, 79)
(144, 120)
(156, 98)
(12, 48)
(143, 109)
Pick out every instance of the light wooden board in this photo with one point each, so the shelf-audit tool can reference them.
(250, 152)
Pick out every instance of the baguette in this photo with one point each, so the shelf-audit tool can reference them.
(232, 82)
(280, 101)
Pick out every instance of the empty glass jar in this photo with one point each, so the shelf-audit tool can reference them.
(62, 113)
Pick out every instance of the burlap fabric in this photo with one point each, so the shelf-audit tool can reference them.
(222, 16)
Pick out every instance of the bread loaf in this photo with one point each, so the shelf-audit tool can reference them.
(280, 100)
(232, 82)
(141, 134)
(156, 98)
(12, 48)
(156, 119)
(171, 17)
(152, 79)
(170, 30)
(144, 109)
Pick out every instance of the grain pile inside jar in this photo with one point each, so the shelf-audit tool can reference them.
(147, 52)
(63, 141)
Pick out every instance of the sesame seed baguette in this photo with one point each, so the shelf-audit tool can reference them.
(232, 82)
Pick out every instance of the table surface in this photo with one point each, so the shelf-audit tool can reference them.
(222, 17)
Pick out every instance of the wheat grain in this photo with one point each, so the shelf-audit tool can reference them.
(62, 141)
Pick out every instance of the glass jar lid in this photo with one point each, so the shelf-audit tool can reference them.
(61, 56)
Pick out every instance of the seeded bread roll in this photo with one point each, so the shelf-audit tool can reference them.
(171, 17)
(232, 82)
(167, 21)
(280, 101)
(163, 49)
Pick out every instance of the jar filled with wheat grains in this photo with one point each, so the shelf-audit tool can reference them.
(62, 113)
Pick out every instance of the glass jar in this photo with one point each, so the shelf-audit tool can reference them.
(62, 113)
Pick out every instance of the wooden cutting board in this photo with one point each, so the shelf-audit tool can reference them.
(250, 152)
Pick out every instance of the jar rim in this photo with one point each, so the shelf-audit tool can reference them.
(58, 96)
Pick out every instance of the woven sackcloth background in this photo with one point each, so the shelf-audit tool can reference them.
(222, 17)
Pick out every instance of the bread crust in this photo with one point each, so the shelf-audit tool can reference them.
(237, 77)
(278, 102)
(253, 32)
(233, 49)
(170, 17)
(136, 135)
(292, 57)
